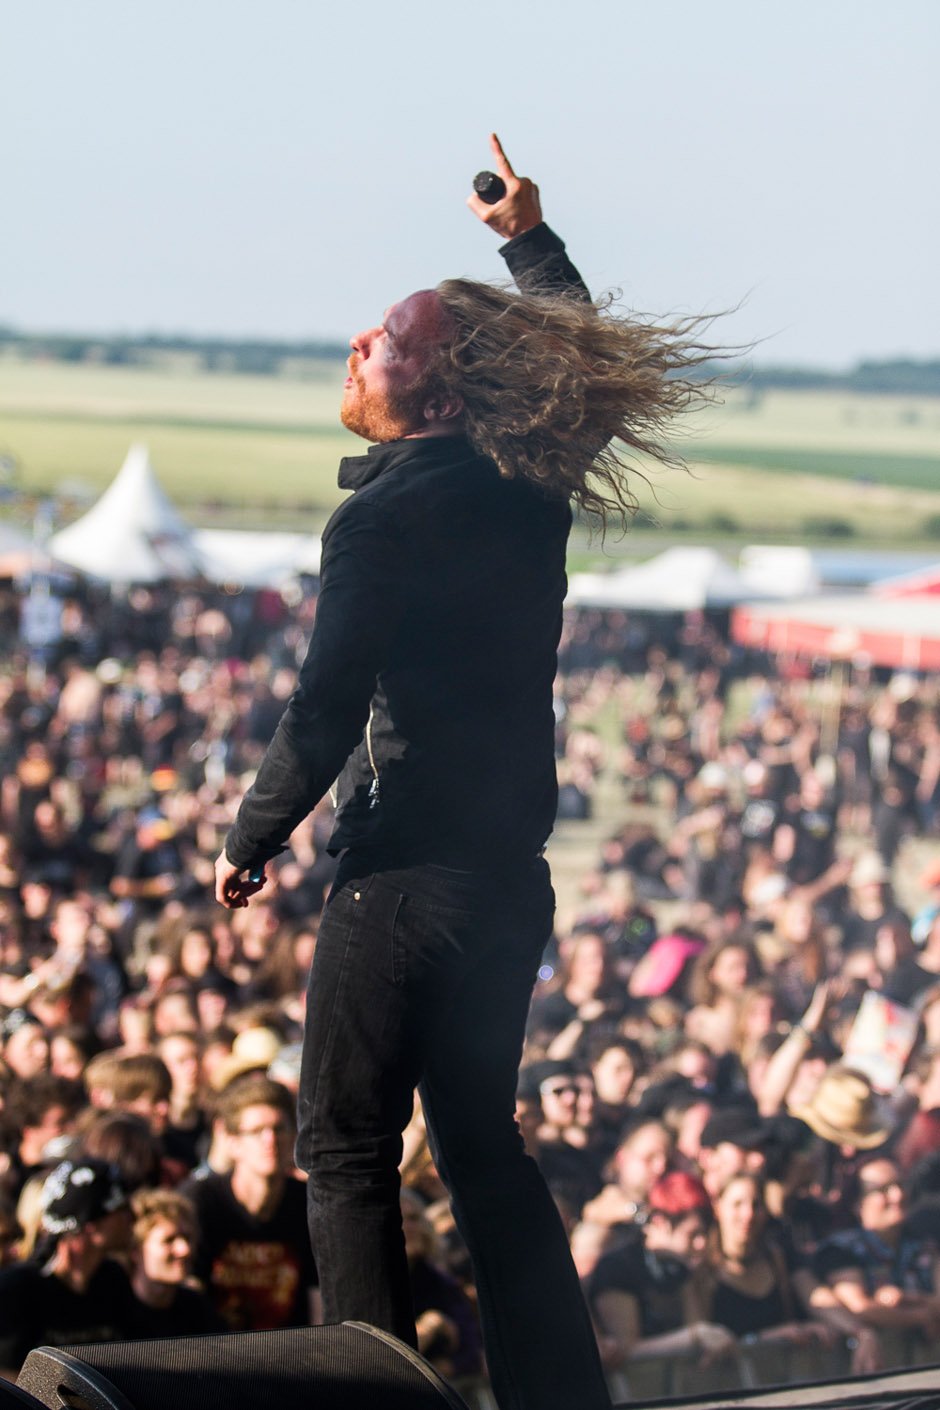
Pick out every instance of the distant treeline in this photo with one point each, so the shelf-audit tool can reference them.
(211, 354)
(903, 376)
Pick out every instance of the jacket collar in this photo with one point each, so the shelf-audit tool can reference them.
(355, 471)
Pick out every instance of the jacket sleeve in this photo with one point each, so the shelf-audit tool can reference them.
(358, 613)
(539, 265)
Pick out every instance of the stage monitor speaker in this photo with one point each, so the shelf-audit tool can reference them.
(350, 1366)
(15, 1398)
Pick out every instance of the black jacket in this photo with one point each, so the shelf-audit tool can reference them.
(427, 686)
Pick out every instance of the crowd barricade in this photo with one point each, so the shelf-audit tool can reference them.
(752, 1365)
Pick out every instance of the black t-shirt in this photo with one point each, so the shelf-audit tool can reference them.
(39, 1309)
(258, 1271)
(656, 1281)
(858, 933)
(573, 1169)
(191, 1313)
(814, 845)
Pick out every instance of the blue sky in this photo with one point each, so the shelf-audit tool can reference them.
(290, 167)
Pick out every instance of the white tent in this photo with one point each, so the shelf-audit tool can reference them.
(132, 534)
(679, 580)
(779, 570)
(255, 557)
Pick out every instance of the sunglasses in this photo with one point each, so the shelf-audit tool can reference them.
(881, 1189)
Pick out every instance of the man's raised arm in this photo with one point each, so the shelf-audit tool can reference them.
(534, 253)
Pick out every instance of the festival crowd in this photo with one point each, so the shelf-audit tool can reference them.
(732, 1070)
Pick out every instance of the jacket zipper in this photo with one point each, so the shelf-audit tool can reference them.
(374, 785)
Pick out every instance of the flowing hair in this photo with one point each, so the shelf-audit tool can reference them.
(567, 395)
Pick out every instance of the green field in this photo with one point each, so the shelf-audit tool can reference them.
(240, 449)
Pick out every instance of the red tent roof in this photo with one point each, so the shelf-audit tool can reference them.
(887, 630)
(924, 583)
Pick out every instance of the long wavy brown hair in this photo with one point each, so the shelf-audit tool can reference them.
(568, 394)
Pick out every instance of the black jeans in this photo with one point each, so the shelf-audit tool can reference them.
(422, 977)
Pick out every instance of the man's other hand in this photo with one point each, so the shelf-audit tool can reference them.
(519, 210)
(233, 888)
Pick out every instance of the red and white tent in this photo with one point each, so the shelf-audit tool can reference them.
(882, 629)
(924, 583)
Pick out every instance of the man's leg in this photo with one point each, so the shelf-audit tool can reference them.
(540, 1344)
(427, 974)
(356, 1096)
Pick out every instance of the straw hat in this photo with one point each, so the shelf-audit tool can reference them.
(253, 1048)
(844, 1110)
(869, 870)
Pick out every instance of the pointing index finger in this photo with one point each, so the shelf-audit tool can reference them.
(502, 161)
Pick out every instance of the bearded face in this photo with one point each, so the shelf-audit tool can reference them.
(380, 413)
(388, 388)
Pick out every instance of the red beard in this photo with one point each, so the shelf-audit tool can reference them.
(382, 416)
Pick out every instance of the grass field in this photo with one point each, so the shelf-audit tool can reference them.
(262, 450)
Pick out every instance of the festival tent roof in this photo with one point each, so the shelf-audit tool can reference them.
(132, 534)
(924, 582)
(679, 580)
(900, 632)
(779, 570)
(255, 558)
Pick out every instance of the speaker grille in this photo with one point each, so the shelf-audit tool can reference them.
(345, 1367)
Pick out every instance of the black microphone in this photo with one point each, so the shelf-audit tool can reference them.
(489, 187)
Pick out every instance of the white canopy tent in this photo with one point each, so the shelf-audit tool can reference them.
(679, 580)
(255, 557)
(132, 534)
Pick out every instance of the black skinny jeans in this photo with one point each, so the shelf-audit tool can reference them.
(422, 977)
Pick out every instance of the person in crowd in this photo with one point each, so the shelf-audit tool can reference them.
(748, 1283)
(587, 991)
(643, 1295)
(445, 1321)
(25, 1044)
(731, 1143)
(875, 1269)
(804, 959)
(72, 1290)
(42, 1109)
(615, 1063)
(138, 1083)
(845, 1111)
(871, 902)
(805, 839)
(71, 1048)
(641, 1158)
(161, 1256)
(191, 953)
(920, 1135)
(252, 1250)
(187, 1126)
(720, 975)
(566, 1154)
(125, 1141)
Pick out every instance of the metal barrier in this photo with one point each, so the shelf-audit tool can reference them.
(755, 1364)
